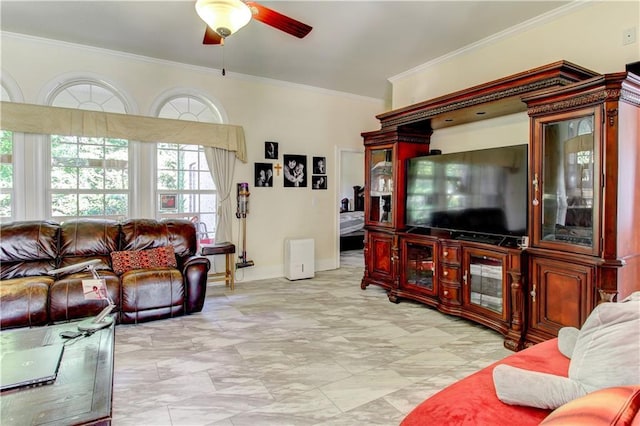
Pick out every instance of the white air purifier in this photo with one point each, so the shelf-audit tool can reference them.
(299, 258)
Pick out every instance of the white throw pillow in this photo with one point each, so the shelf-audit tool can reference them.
(567, 338)
(516, 386)
(606, 354)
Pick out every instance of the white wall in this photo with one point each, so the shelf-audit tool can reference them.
(303, 120)
(588, 34)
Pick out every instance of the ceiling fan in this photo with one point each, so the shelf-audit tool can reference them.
(225, 17)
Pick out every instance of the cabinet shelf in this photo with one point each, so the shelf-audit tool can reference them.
(380, 193)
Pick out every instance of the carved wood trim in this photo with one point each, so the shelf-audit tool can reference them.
(599, 96)
(476, 100)
(576, 102)
(517, 302)
(612, 113)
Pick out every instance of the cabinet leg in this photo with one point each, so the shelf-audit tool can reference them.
(514, 345)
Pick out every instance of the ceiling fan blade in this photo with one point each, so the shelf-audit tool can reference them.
(278, 20)
(212, 37)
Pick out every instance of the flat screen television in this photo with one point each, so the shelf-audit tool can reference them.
(483, 191)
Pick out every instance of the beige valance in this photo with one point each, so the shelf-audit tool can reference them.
(48, 120)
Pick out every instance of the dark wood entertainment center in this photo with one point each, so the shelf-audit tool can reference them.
(582, 246)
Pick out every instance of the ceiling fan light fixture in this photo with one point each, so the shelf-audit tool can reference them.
(224, 16)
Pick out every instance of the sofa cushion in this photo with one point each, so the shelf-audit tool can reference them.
(616, 406)
(28, 248)
(24, 302)
(87, 239)
(140, 234)
(160, 257)
(150, 294)
(67, 301)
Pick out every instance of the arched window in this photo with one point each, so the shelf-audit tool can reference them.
(89, 177)
(184, 186)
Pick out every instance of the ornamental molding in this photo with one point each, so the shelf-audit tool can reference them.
(575, 102)
(600, 96)
(428, 113)
(630, 96)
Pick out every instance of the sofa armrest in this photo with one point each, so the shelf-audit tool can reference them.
(610, 406)
(194, 273)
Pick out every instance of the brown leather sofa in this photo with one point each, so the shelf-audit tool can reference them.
(29, 296)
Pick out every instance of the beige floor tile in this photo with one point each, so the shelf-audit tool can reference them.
(309, 352)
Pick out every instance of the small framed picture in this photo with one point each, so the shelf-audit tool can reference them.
(319, 166)
(295, 171)
(95, 289)
(263, 175)
(271, 150)
(168, 202)
(319, 182)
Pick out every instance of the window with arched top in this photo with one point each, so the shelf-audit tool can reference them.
(89, 176)
(184, 185)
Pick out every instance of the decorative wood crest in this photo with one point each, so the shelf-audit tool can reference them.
(578, 101)
(588, 99)
(419, 115)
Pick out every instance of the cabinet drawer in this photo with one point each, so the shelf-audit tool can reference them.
(450, 254)
(449, 273)
(450, 294)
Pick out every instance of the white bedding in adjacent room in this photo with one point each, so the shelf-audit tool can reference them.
(351, 222)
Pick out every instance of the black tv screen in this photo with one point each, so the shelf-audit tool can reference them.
(483, 191)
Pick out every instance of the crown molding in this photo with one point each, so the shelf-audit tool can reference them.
(187, 67)
(509, 32)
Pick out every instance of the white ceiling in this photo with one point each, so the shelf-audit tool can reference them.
(354, 47)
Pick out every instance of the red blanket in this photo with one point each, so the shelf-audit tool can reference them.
(473, 400)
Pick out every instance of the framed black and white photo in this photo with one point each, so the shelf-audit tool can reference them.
(295, 170)
(263, 175)
(319, 166)
(319, 182)
(271, 150)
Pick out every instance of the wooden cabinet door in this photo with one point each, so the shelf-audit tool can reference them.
(567, 181)
(418, 271)
(485, 281)
(561, 295)
(379, 259)
(380, 203)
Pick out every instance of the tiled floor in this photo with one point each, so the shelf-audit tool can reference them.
(310, 352)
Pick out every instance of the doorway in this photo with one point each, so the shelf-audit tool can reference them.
(350, 174)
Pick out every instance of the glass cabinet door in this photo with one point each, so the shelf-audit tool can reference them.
(419, 266)
(565, 182)
(381, 185)
(484, 283)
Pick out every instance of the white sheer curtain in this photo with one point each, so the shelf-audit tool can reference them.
(222, 165)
